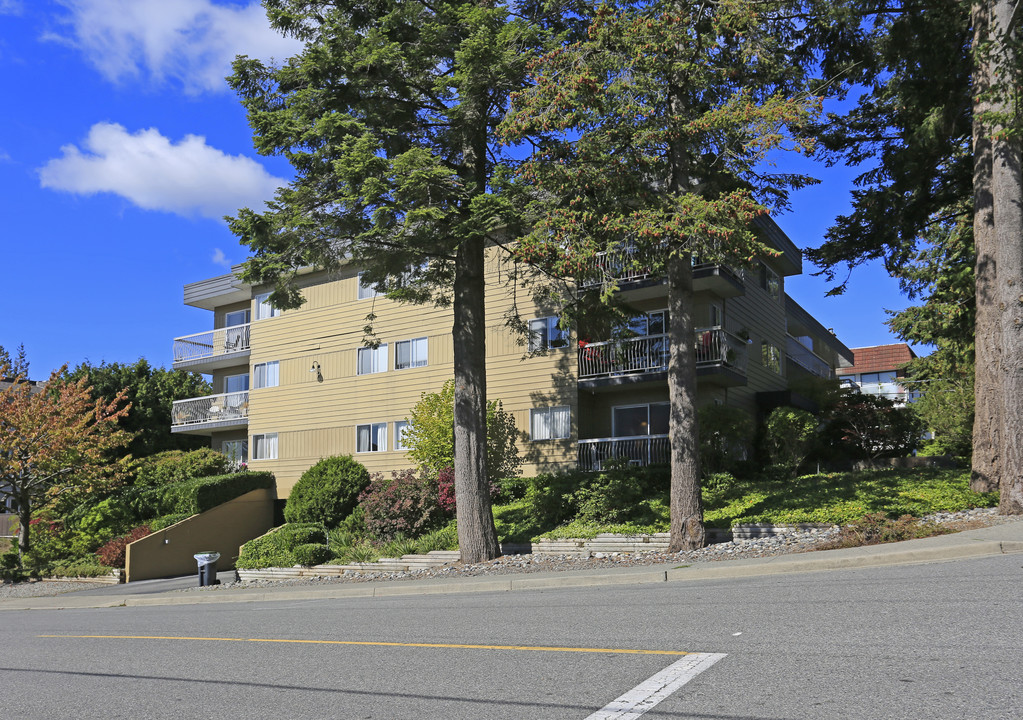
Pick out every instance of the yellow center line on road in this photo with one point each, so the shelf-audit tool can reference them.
(456, 646)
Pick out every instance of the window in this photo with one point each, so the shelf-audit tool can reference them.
(400, 428)
(770, 356)
(410, 354)
(550, 423)
(652, 323)
(372, 360)
(367, 291)
(371, 438)
(770, 282)
(263, 307)
(545, 334)
(236, 383)
(237, 451)
(633, 420)
(267, 374)
(264, 447)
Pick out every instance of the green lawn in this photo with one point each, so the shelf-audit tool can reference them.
(830, 498)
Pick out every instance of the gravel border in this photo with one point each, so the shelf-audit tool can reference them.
(790, 543)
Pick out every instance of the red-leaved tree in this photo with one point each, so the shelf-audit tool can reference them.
(54, 440)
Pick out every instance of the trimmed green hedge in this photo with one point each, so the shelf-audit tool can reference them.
(277, 547)
(205, 493)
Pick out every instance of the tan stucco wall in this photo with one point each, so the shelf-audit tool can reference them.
(223, 529)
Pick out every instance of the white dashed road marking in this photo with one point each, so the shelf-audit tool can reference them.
(651, 691)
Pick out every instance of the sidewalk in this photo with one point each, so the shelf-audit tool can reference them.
(989, 541)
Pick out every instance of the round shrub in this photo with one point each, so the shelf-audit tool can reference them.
(327, 492)
(311, 554)
(406, 505)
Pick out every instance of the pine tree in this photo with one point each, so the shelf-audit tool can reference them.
(388, 118)
(648, 134)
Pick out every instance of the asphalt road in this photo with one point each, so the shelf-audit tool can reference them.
(940, 640)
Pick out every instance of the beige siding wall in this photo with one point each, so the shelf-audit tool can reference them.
(317, 416)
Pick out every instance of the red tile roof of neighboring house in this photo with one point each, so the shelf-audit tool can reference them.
(878, 358)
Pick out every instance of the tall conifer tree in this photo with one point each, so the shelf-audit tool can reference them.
(388, 118)
(648, 136)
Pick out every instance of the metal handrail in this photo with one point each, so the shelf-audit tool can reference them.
(649, 353)
(211, 408)
(636, 449)
(222, 341)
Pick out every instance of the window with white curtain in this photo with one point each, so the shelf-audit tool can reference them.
(264, 447)
(372, 360)
(237, 451)
(366, 290)
(263, 307)
(410, 353)
(545, 334)
(371, 438)
(400, 428)
(551, 423)
(267, 374)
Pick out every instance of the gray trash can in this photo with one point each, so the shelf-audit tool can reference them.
(207, 567)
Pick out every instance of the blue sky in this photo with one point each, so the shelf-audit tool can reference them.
(122, 147)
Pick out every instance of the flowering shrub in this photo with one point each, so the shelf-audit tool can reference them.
(446, 490)
(112, 554)
(404, 505)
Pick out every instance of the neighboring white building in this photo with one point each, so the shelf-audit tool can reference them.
(879, 370)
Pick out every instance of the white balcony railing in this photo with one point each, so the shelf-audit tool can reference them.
(212, 343)
(806, 358)
(211, 408)
(649, 353)
(618, 265)
(638, 450)
(717, 346)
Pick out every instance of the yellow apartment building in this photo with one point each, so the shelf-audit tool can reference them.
(295, 386)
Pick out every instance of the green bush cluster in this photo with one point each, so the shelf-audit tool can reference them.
(178, 466)
(276, 548)
(328, 492)
(309, 554)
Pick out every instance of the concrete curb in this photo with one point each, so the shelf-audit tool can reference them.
(851, 558)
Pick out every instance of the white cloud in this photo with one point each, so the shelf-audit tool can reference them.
(191, 41)
(186, 178)
(219, 258)
(11, 7)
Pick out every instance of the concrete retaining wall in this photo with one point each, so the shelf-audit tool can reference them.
(223, 529)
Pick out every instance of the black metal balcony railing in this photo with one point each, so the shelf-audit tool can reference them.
(649, 353)
(594, 453)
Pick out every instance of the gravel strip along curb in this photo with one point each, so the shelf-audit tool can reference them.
(789, 544)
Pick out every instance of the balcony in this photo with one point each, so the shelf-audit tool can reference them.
(719, 280)
(721, 357)
(622, 266)
(212, 349)
(201, 415)
(807, 359)
(637, 450)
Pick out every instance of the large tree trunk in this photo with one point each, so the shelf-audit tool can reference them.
(987, 393)
(1007, 193)
(477, 536)
(687, 531)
